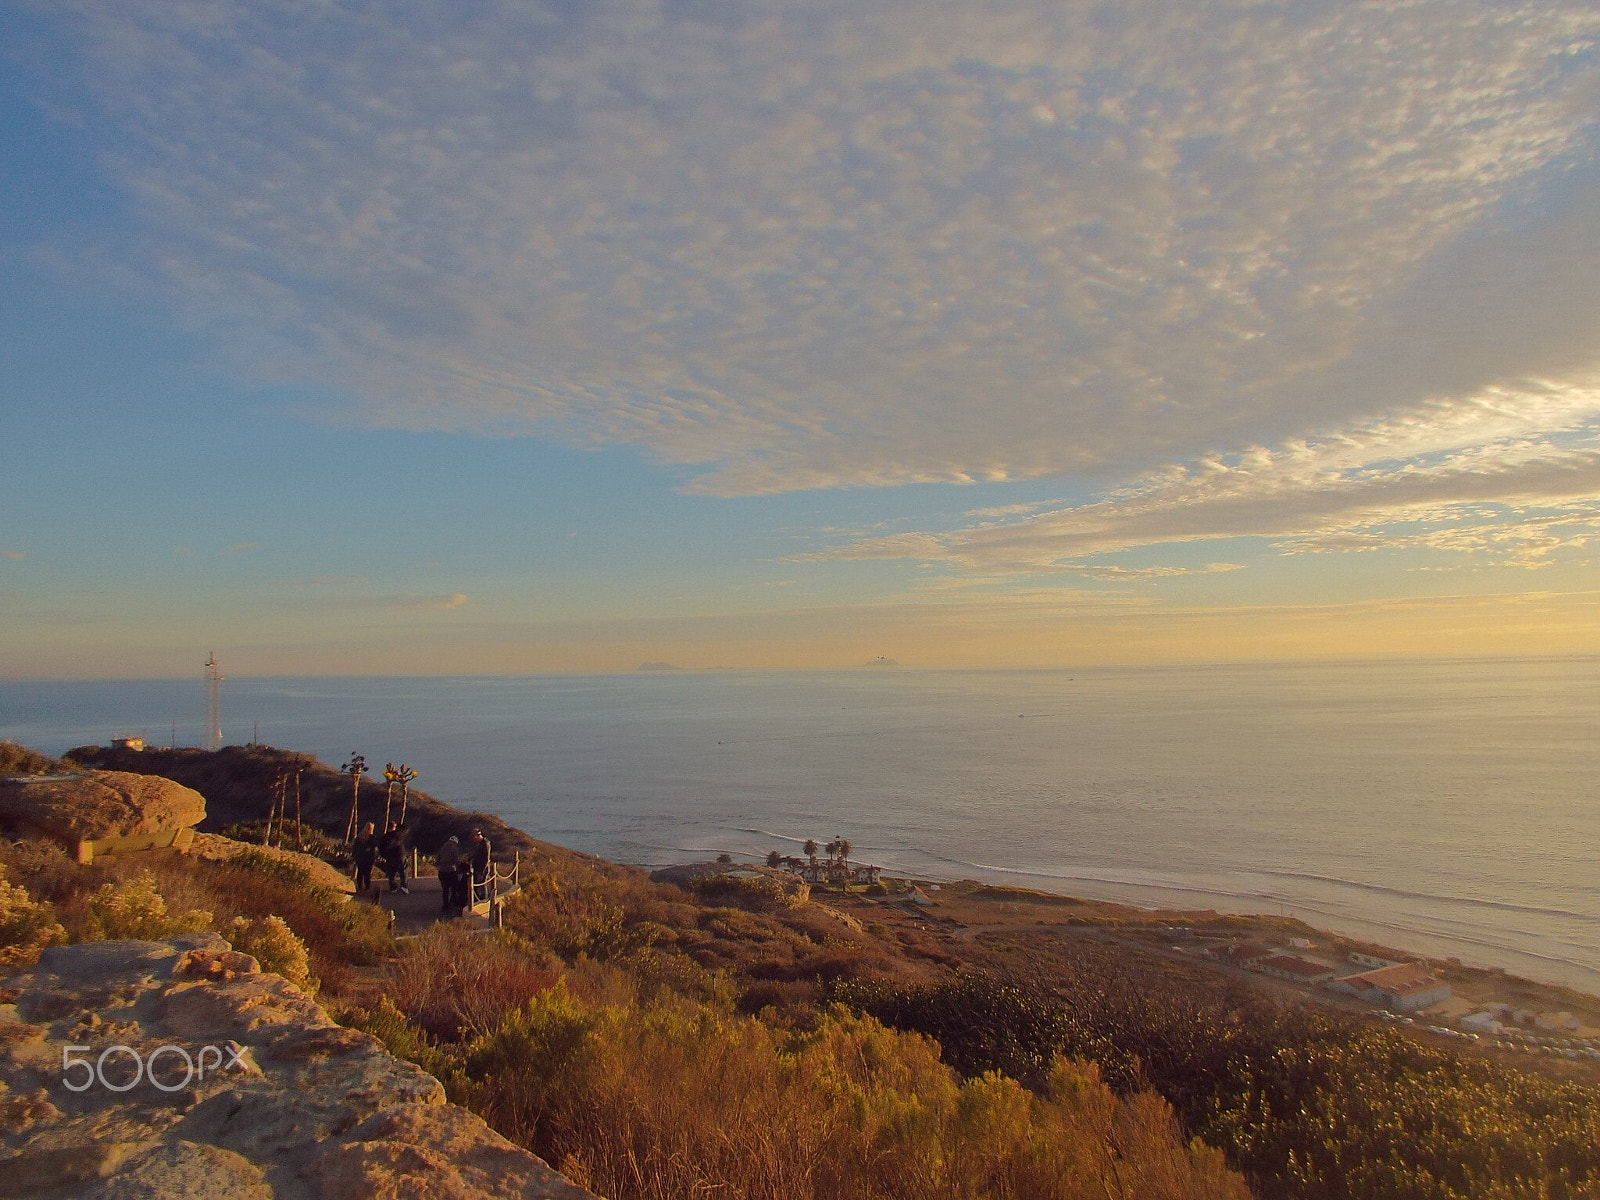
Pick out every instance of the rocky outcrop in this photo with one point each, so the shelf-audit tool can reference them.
(289, 1105)
(237, 782)
(89, 806)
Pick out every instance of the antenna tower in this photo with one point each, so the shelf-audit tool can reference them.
(214, 678)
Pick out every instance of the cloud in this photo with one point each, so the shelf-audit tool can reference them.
(1511, 477)
(238, 547)
(1116, 573)
(365, 600)
(12, 554)
(794, 245)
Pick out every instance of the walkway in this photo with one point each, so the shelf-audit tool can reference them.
(415, 912)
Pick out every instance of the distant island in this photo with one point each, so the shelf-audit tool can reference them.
(659, 666)
(881, 661)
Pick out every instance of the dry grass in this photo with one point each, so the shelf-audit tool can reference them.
(673, 1098)
(454, 983)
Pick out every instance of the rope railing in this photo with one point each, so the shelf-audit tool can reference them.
(499, 882)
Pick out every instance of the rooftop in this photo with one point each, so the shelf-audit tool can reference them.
(1407, 977)
(1295, 965)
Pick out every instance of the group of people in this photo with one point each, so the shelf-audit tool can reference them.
(388, 849)
(460, 867)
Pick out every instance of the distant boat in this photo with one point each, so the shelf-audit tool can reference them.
(881, 661)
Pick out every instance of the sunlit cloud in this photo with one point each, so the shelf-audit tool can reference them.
(14, 555)
(794, 245)
(1510, 476)
(1115, 573)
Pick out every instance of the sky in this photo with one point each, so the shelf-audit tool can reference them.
(424, 337)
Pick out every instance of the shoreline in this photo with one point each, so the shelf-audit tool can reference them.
(1175, 900)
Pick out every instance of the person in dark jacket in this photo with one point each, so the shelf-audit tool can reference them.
(392, 849)
(366, 855)
(478, 860)
(450, 871)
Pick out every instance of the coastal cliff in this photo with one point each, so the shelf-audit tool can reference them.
(237, 783)
(288, 1104)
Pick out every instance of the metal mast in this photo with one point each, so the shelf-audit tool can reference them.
(214, 678)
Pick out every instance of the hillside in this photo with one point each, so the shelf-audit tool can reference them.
(722, 1034)
(237, 782)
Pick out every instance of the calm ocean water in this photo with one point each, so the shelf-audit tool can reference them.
(1449, 808)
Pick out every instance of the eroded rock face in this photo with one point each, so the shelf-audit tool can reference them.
(290, 1104)
(91, 805)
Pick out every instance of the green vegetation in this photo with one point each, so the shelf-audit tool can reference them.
(26, 926)
(643, 1086)
(1308, 1105)
(133, 908)
(266, 906)
(731, 1037)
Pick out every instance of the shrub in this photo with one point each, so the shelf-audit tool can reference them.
(670, 1098)
(582, 911)
(338, 934)
(761, 890)
(454, 983)
(26, 927)
(274, 945)
(135, 909)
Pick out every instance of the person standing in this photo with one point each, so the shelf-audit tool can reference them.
(366, 855)
(478, 859)
(450, 889)
(393, 850)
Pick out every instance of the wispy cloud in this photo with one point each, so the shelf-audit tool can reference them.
(813, 244)
(1513, 477)
(12, 554)
(1116, 573)
(390, 602)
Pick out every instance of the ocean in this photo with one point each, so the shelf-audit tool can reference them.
(1448, 808)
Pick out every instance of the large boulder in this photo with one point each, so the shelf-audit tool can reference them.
(246, 1091)
(91, 806)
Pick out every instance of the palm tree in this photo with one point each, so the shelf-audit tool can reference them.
(774, 858)
(355, 768)
(843, 843)
(811, 850)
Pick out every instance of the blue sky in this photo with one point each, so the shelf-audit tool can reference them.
(339, 337)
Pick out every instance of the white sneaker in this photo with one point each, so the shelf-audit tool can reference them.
(406, 890)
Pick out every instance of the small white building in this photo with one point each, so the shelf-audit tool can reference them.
(127, 743)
